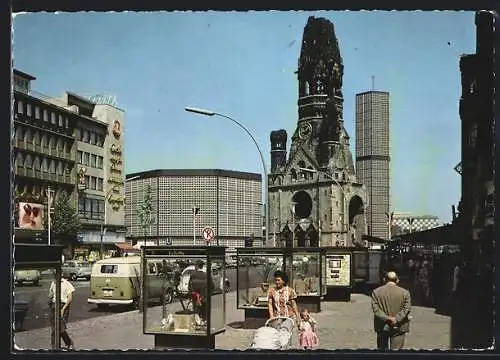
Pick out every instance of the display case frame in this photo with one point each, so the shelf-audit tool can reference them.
(300, 277)
(255, 309)
(255, 314)
(184, 325)
(339, 278)
(40, 257)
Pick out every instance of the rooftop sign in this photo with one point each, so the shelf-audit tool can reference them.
(103, 99)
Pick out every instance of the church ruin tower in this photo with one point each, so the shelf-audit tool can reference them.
(278, 150)
(314, 197)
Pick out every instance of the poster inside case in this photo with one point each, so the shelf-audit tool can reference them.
(338, 270)
(184, 292)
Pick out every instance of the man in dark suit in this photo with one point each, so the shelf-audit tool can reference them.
(391, 306)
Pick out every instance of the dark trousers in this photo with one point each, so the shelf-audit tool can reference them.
(390, 340)
(62, 326)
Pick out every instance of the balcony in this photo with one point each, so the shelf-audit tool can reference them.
(45, 176)
(44, 125)
(52, 152)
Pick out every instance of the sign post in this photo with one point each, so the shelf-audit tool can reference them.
(208, 234)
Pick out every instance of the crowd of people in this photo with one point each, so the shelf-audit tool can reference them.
(431, 277)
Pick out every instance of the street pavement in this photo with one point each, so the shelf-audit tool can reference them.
(37, 296)
(342, 325)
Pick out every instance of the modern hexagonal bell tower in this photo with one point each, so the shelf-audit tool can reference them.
(314, 196)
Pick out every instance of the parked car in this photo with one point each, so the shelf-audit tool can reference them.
(219, 282)
(116, 281)
(27, 276)
(74, 270)
(20, 311)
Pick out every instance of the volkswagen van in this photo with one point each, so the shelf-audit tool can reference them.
(117, 281)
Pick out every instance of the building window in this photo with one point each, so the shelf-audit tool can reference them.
(95, 208)
(20, 107)
(100, 161)
(20, 133)
(36, 163)
(100, 184)
(91, 208)
(37, 112)
(53, 143)
(37, 140)
(86, 157)
(93, 183)
(93, 160)
(99, 140)
(81, 206)
(80, 157)
(52, 167)
(45, 115)
(66, 122)
(60, 167)
(61, 121)
(85, 136)
(53, 118)
(28, 163)
(45, 168)
(28, 109)
(29, 136)
(92, 139)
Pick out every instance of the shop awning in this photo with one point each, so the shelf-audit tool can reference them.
(126, 247)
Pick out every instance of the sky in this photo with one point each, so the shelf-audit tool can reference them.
(242, 64)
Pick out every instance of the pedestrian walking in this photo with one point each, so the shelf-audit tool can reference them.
(308, 337)
(67, 290)
(391, 305)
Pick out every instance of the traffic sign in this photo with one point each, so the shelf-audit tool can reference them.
(208, 233)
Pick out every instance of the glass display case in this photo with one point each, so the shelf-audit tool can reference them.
(255, 274)
(339, 273)
(255, 269)
(198, 277)
(306, 276)
(36, 300)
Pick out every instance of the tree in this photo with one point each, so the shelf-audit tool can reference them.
(145, 212)
(64, 219)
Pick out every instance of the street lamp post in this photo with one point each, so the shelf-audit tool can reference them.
(212, 113)
(195, 212)
(345, 225)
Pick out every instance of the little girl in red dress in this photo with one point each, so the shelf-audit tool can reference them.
(307, 329)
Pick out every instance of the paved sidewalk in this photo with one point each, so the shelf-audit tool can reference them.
(342, 325)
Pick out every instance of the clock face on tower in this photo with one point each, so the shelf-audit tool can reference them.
(305, 131)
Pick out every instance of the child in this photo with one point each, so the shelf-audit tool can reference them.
(307, 329)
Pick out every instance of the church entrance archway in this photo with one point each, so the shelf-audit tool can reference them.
(357, 222)
(303, 204)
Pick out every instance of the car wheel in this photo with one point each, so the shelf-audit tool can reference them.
(168, 297)
(136, 304)
(102, 306)
(87, 278)
(72, 277)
